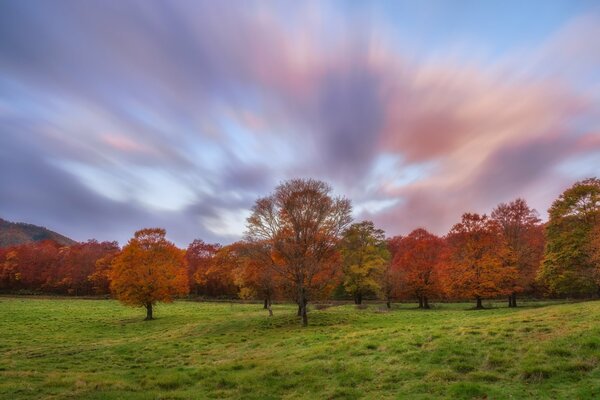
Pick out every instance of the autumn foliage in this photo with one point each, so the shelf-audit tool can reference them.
(148, 270)
(301, 245)
(301, 224)
(417, 262)
(479, 261)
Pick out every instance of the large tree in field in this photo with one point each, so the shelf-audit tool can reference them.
(568, 267)
(477, 264)
(417, 262)
(301, 223)
(365, 257)
(148, 270)
(524, 236)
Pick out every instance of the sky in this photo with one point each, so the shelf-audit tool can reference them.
(120, 115)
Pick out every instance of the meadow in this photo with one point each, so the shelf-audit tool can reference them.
(99, 349)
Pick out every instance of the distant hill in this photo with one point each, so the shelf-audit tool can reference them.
(15, 233)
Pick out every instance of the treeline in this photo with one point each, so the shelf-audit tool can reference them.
(302, 245)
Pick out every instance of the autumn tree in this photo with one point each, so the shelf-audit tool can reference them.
(31, 266)
(199, 256)
(302, 223)
(77, 265)
(477, 265)
(390, 278)
(417, 262)
(524, 235)
(365, 257)
(148, 270)
(253, 273)
(568, 267)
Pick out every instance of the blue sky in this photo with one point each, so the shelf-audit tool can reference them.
(118, 115)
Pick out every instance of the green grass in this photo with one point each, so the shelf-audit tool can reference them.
(94, 349)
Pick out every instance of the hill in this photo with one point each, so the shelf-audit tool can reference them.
(82, 349)
(15, 233)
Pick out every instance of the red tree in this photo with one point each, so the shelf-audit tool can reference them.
(417, 261)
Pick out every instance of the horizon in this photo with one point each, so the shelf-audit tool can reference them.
(119, 116)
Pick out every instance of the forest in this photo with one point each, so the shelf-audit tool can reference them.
(301, 245)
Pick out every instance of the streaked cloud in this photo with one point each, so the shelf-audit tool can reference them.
(120, 115)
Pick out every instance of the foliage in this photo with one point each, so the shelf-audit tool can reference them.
(301, 224)
(149, 269)
(417, 262)
(253, 273)
(568, 266)
(365, 257)
(478, 263)
(210, 270)
(524, 235)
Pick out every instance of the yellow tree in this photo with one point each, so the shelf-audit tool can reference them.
(148, 270)
(365, 257)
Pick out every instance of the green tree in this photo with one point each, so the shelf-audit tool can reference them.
(365, 257)
(568, 267)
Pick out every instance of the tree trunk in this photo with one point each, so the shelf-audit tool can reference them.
(425, 302)
(388, 303)
(304, 315)
(479, 305)
(420, 301)
(268, 304)
(149, 312)
(299, 309)
(359, 298)
(514, 299)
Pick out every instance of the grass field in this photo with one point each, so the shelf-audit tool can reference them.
(98, 349)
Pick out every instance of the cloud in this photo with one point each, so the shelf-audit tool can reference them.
(120, 115)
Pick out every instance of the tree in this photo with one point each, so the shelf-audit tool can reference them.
(365, 257)
(594, 250)
(417, 260)
(77, 266)
(199, 257)
(301, 223)
(524, 236)
(568, 267)
(253, 274)
(100, 278)
(477, 264)
(148, 270)
(390, 279)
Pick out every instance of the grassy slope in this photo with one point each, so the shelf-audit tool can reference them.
(101, 350)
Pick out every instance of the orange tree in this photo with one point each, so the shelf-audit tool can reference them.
(524, 235)
(253, 274)
(149, 269)
(478, 263)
